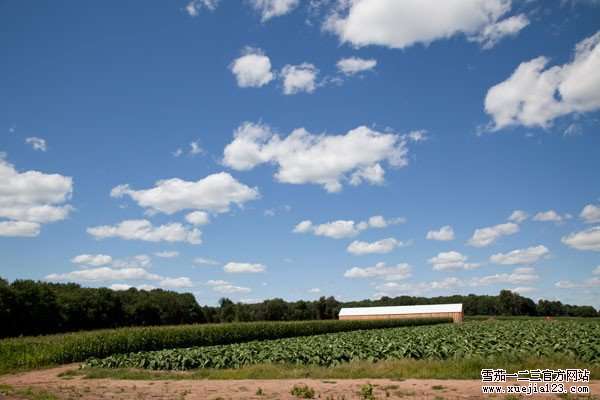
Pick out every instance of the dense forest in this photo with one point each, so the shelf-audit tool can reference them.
(33, 308)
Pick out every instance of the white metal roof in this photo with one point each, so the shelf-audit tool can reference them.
(424, 309)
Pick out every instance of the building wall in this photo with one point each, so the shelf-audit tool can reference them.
(456, 317)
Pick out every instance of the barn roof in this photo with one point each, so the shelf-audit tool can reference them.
(424, 309)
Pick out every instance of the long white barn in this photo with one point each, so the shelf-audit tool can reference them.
(454, 311)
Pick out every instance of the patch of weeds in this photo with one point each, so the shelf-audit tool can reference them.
(404, 393)
(329, 381)
(366, 392)
(260, 392)
(303, 392)
(438, 387)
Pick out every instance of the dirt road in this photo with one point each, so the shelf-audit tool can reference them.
(88, 389)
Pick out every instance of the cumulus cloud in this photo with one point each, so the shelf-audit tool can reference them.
(105, 274)
(485, 236)
(205, 261)
(299, 78)
(380, 270)
(519, 276)
(590, 214)
(490, 35)
(518, 216)
(416, 288)
(37, 143)
(535, 95)
(588, 239)
(354, 65)
(198, 218)
(141, 229)
(549, 216)
(327, 160)
(252, 68)
(214, 193)
(451, 260)
(526, 256)
(588, 283)
(379, 247)
(345, 228)
(92, 260)
(243, 268)
(167, 254)
(445, 233)
(400, 24)
(19, 229)
(31, 198)
(225, 287)
(273, 8)
(176, 283)
(139, 261)
(194, 6)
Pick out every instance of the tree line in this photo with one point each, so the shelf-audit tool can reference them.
(33, 308)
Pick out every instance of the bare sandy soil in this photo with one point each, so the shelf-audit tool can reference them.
(79, 388)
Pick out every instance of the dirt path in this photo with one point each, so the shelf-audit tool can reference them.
(88, 389)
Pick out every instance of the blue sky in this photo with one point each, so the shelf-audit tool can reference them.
(331, 112)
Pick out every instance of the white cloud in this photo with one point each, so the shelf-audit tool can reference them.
(139, 261)
(518, 216)
(596, 271)
(214, 193)
(523, 290)
(416, 288)
(314, 290)
(400, 24)
(535, 95)
(205, 261)
(225, 287)
(548, 216)
(590, 214)
(124, 286)
(588, 239)
(178, 152)
(242, 268)
(182, 282)
(354, 65)
(379, 247)
(526, 256)
(445, 233)
(519, 276)
(167, 254)
(397, 272)
(141, 229)
(105, 274)
(345, 228)
(273, 8)
(29, 199)
(92, 260)
(252, 69)
(198, 218)
(195, 148)
(485, 236)
(451, 260)
(326, 160)
(299, 78)
(19, 229)
(37, 143)
(588, 283)
(493, 33)
(418, 136)
(194, 6)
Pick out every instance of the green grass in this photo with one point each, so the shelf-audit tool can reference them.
(26, 393)
(25, 353)
(391, 369)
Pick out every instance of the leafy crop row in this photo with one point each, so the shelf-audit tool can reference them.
(33, 352)
(520, 339)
